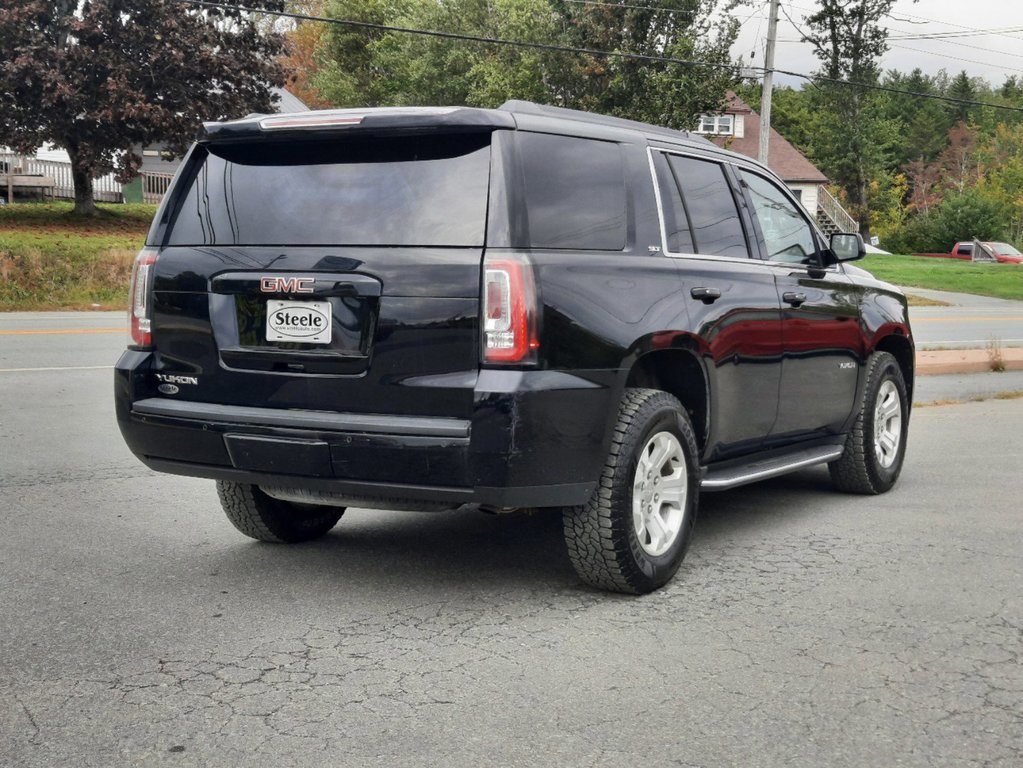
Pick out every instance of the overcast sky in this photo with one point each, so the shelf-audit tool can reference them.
(993, 56)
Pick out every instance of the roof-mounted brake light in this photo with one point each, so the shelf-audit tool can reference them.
(310, 121)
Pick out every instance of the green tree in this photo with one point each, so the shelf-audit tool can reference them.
(360, 67)
(923, 122)
(888, 212)
(667, 94)
(1002, 157)
(960, 216)
(793, 117)
(100, 77)
(964, 88)
(857, 138)
(968, 214)
(347, 74)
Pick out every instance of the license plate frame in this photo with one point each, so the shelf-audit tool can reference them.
(303, 322)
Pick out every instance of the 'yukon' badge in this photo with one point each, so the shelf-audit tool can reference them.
(177, 378)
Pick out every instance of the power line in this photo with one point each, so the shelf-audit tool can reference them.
(949, 38)
(627, 5)
(944, 36)
(948, 56)
(949, 35)
(926, 19)
(964, 45)
(960, 58)
(588, 51)
(463, 37)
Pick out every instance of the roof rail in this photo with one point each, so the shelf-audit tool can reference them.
(532, 108)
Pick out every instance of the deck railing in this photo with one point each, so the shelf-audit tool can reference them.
(833, 209)
(154, 186)
(105, 189)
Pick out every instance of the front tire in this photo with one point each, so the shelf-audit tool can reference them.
(265, 518)
(876, 446)
(636, 528)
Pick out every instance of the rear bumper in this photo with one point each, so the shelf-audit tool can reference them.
(534, 438)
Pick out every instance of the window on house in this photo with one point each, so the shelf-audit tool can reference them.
(717, 125)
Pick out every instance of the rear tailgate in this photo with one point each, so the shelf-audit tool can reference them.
(316, 309)
(401, 320)
(336, 274)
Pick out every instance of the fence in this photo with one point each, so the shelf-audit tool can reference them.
(154, 186)
(105, 189)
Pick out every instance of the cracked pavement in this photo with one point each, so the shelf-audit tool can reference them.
(805, 628)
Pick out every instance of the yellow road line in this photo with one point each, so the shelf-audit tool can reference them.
(51, 331)
(954, 319)
(59, 368)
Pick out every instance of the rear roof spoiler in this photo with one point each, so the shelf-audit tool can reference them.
(317, 123)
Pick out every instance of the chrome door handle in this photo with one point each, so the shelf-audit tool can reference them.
(795, 299)
(706, 295)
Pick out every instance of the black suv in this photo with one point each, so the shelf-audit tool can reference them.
(526, 307)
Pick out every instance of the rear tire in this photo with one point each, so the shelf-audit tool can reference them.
(876, 446)
(265, 518)
(636, 528)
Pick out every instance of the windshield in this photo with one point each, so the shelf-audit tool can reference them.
(425, 191)
(1004, 249)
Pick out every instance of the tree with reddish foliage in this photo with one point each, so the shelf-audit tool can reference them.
(102, 77)
(958, 162)
(300, 59)
(923, 179)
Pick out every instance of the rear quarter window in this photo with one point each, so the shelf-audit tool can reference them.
(574, 192)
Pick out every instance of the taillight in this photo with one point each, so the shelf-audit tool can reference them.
(509, 311)
(140, 299)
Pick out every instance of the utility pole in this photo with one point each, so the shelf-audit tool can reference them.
(765, 96)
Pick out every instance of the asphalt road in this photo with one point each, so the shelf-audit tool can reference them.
(966, 321)
(806, 628)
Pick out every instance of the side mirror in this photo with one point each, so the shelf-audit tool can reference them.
(848, 247)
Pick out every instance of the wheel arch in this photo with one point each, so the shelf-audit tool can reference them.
(901, 348)
(678, 372)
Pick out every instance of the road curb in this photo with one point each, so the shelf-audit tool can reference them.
(936, 362)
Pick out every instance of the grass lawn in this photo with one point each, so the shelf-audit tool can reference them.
(1004, 281)
(49, 260)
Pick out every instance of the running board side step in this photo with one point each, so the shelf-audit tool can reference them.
(735, 473)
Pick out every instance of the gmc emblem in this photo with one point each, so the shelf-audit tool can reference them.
(287, 284)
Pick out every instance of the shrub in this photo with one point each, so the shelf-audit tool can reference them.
(960, 216)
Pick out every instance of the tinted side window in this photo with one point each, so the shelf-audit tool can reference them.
(676, 221)
(575, 192)
(786, 234)
(717, 229)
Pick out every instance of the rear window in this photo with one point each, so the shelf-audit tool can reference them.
(425, 191)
